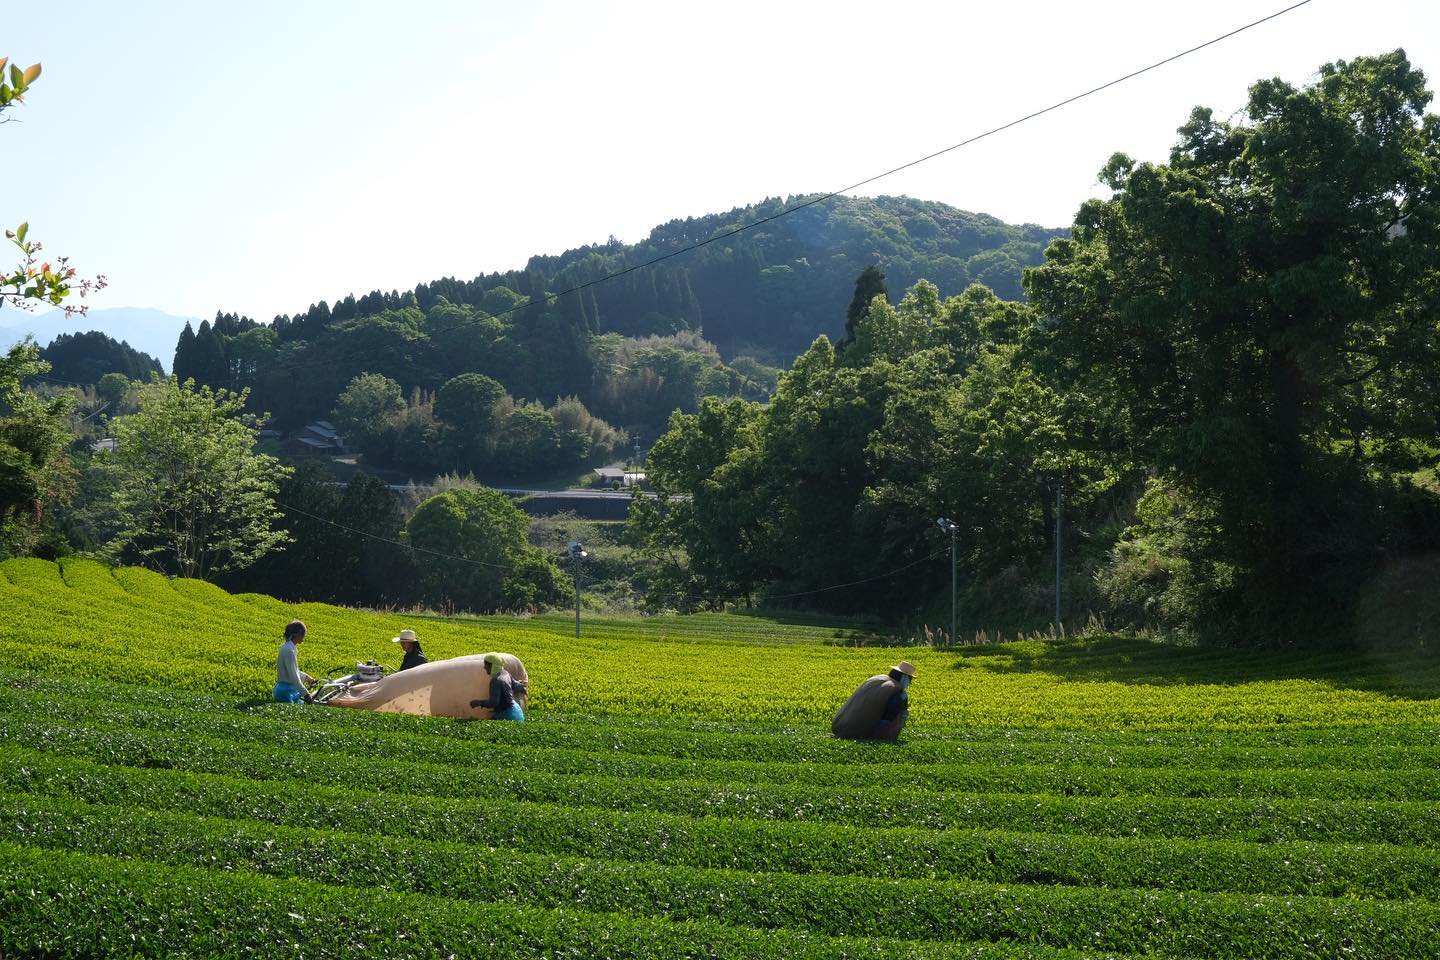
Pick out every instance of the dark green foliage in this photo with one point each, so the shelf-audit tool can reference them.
(869, 285)
(34, 470)
(185, 365)
(338, 551)
(466, 406)
(467, 402)
(472, 554)
(87, 357)
(1255, 322)
(528, 443)
(928, 411)
(113, 389)
(89, 520)
(767, 293)
(363, 414)
(210, 366)
(1229, 369)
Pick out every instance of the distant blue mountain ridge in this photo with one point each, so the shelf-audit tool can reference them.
(150, 331)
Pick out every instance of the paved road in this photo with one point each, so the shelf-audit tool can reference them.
(579, 493)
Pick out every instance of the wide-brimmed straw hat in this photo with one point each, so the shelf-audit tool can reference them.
(405, 635)
(905, 667)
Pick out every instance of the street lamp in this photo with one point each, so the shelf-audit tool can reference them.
(577, 553)
(949, 527)
(1059, 484)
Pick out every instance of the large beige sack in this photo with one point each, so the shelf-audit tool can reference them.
(441, 688)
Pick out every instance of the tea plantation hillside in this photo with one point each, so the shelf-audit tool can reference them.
(675, 793)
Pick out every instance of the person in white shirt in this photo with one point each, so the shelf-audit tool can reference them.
(290, 680)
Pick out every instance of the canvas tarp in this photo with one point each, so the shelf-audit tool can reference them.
(441, 688)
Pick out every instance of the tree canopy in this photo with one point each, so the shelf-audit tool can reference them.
(474, 554)
(194, 494)
(631, 349)
(1229, 367)
(1257, 322)
(85, 358)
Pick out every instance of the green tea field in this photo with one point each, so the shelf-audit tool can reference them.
(675, 793)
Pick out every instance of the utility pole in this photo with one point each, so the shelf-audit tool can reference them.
(949, 527)
(577, 553)
(1059, 505)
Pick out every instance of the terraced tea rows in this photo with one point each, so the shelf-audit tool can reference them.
(154, 804)
(77, 617)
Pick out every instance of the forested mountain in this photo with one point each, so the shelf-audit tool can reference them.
(720, 320)
(151, 332)
(771, 290)
(86, 357)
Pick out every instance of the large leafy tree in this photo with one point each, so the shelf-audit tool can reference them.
(869, 285)
(703, 537)
(1257, 320)
(472, 554)
(466, 406)
(365, 410)
(34, 470)
(195, 495)
(344, 545)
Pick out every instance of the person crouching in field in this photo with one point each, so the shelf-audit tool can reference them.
(502, 691)
(289, 687)
(878, 708)
(411, 645)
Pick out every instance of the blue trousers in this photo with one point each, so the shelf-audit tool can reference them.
(288, 693)
(512, 712)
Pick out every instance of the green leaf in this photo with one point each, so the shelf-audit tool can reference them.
(20, 233)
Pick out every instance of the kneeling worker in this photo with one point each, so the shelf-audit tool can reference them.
(411, 645)
(878, 708)
(502, 691)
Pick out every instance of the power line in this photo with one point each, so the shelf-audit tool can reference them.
(94, 413)
(550, 297)
(793, 209)
(63, 383)
(507, 567)
(397, 543)
(856, 583)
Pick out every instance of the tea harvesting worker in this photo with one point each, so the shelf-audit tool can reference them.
(878, 708)
(502, 692)
(411, 645)
(289, 687)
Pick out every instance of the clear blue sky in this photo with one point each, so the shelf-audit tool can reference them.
(258, 157)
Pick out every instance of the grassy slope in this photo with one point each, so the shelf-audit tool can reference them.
(676, 793)
(66, 619)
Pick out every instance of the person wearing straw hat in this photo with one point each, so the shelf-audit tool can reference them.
(878, 708)
(411, 645)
